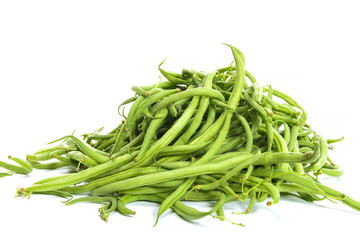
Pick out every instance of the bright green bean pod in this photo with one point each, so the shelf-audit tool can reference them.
(323, 153)
(82, 158)
(169, 201)
(231, 173)
(24, 168)
(181, 149)
(48, 156)
(88, 187)
(200, 91)
(209, 121)
(329, 141)
(204, 103)
(6, 174)
(190, 171)
(334, 171)
(293, 138)
(292, 102)
(80, 176)
(52, 165)
(86, 149)
(154, 125)
(174, 78)
(104, 215)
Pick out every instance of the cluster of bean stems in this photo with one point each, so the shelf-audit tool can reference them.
(196, 136)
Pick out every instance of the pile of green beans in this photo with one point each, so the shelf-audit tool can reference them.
(211, 137)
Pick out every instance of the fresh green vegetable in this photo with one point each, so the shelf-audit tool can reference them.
(194, 137)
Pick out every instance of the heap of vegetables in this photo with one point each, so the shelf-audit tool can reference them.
(216, 136)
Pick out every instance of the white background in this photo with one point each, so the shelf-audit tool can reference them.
(66, 65)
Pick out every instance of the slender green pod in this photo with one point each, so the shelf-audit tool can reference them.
(24, 168)
(190, 171)
(78, 177)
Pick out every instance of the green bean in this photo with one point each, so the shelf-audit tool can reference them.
(57, 193)
(98, 136)
(79, 177)
(330, 170)
(172, 77)
(249, 136)
(207, 179)
(133, 109)
(264, 116)
(86, 149)
(270, 102)
(86, 136)
(231, 173)
(103, 214)
(262, 196)
(287, 110)
(190, 171)
(329, 141)
(88, 187)
(48, 156)
(200, 91)
(80, 157)
(52, 165)
(130, 147)
(172, 109)
(139, 91)
(286, 157)
(161, 85)
(146, 190)
(303, 133)
(169, 201)
(251, 202)
(127, 101)
(323, 153)
(120, 139)
(209, 121)
(199, 115)
(6, 174)
(24, 168)
(174, 165)
(298, 167)
(287, 135)
(287, 119)
(293, 138)
(106, 144)
(173, 183)
(154, 125)
(188, 73)
(181, 149)
(292, 102)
